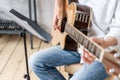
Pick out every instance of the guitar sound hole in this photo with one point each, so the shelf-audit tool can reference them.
(64, 20)
(70, 44)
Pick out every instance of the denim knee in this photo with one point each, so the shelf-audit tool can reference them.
(32, 61)
(35, 62)
(93, 71)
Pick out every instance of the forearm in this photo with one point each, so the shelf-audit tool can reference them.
(110, 41)
(58, 4)
(57, 11)
(106, 42)
(56, 14)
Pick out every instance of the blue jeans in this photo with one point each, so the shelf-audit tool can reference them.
(44, 63)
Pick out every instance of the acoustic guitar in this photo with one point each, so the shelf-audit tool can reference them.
(79, 17)
(76, 32)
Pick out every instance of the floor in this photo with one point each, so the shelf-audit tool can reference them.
(12, 59)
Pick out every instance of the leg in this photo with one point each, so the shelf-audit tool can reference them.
(43, 63)
(93, 71)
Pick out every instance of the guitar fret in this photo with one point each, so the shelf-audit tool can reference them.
(92, 49)
(69, 30)
(86, 43)
(89, 46)
(76, 36)
(81, 39)
(95, 49)
(83, 18)
(98, 52)
(84, 40)
(73, 33)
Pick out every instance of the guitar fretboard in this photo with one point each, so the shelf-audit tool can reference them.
(85, 41)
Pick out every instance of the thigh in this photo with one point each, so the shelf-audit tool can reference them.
(55, 56)
(94, 71)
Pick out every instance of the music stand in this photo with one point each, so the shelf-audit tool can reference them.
(26, 76)
(32, 27)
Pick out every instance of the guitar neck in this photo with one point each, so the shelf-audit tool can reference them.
(82, 39)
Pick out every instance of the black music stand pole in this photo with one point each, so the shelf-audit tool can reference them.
(23, 34)
(43, 34)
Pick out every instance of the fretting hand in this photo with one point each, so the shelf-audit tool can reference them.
(109, 41)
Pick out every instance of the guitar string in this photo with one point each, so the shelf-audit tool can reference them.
(95, 50)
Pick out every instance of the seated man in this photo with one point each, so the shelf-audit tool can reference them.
(104, 30)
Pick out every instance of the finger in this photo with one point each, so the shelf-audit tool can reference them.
(55, 25)
(88, 55)
(58, 27)
(56, 21)
(86, 60)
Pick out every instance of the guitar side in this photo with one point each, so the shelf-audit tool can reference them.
(56, 34)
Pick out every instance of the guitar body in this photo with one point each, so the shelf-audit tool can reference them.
(76, 15)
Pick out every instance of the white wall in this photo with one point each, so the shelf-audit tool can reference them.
(44, 10)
